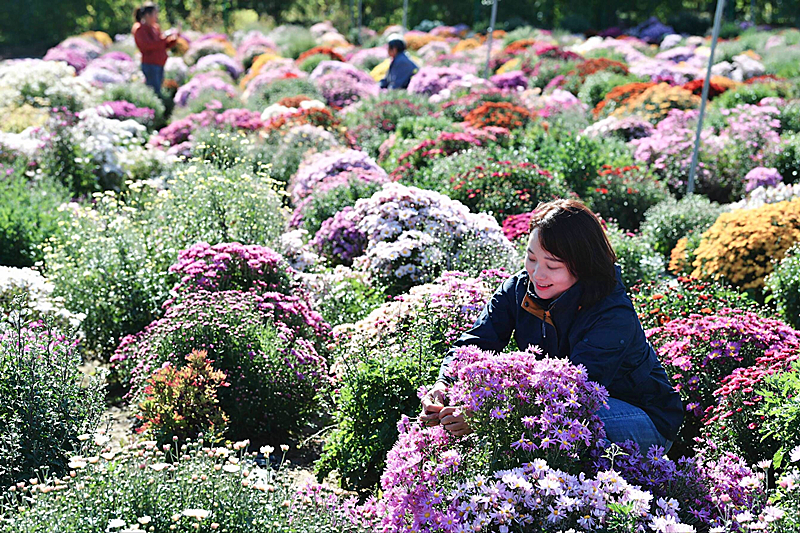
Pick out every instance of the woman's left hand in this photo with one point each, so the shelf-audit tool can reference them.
(452, 419)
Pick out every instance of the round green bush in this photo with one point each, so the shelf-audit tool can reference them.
(639, 262)
(597, 85)
(139, 95)
(311, 62)
(752, 94)
(271, 93)
(29, 215)
(624, 194)
(787, 160)
(784, 287)
(671, 219)
(46, 401)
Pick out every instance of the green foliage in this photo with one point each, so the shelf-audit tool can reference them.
(789, 116)
(66, 160)
(690, 22)
(779, 411)
(346, 296)
(639, 262)
(577, 159)
(271, 93)
(28, 215)
(494, 182)
(110, 262)
(784, 287)
(46, 402)
(140, 95)
(182, 489)
(323, 205)
(294, 40)
(219, 99)
(787, 160)
(783, 61)
(660, 301)
(183, 402)
(671, 219)
(624, 194)
(310, 63)
(752, 94)
(386, 111)
(226, 149)
(377, 387)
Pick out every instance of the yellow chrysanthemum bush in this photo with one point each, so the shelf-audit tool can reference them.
(654, 103)
(740, 246)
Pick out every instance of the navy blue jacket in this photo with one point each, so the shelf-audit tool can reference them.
(400, 72)
(607, 338)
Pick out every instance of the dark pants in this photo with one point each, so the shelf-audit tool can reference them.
(153, 76)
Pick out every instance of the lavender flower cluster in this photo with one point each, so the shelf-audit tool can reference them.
(203, 82)
(327, 164)
(221, 62)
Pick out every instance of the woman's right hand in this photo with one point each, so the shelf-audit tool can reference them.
(432, 403)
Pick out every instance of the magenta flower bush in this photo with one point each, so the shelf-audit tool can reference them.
(123, 110)
(512, 81)
(340, 239)
(762, 177)
(180, 131)
(230, 266)
(274, 369)
(433, 80)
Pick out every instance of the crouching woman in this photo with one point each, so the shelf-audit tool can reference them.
(570, 301)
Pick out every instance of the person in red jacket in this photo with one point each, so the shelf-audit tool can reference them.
(152, 44)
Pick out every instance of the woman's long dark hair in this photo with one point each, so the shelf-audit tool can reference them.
(145, 9)
(571, 232)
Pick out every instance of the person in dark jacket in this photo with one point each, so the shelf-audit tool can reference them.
(152, 44)
(570, 301)
(401, 69)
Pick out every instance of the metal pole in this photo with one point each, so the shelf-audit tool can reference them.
(352, 16)
(405, 16)
(704, 96)
(489, 40)
(359, 21)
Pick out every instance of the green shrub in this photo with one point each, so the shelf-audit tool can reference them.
(294, 40)
(752, 94)
(790, 117)
(110, 262)
(386, 111)
(779, 411)
(784, 287)
(782, 61)
(211, 205)
(624, 194)
(181, 489)
(66, 160)
(311, 62)
(787, 160)
(639, 262)
(228, 148)
(46, 402)
(323, 205)
(271, 93)
(660, 301)
(492, 183)
(28, 215)
(671, 219)
(577, 159)
(689, 22)
(344, 296)
(140, 95)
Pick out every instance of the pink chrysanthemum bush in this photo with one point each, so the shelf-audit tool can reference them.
(247, 309)
(534, 425)
(716, 361)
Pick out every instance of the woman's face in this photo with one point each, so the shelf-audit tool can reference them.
(151, 18)
(549, 275)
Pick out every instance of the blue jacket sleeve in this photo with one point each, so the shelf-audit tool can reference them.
(492, 330)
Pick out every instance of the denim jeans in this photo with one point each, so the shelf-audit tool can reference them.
(153, 76)
(624, 421)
